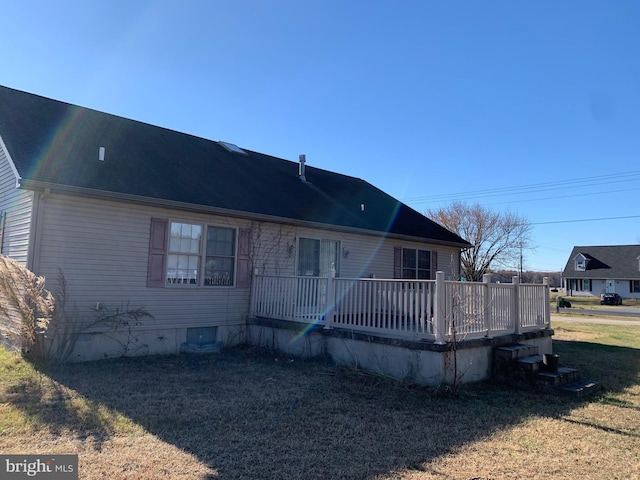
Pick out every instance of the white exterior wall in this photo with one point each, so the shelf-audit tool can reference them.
(17, 204)
(599, 286)
(102, 248)
(368, 256)
(621, 287)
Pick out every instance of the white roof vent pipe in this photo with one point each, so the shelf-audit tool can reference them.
(301, 170)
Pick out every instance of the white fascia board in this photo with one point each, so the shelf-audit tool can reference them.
(172, 204)
(11, 164)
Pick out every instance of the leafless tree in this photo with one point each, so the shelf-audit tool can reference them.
(497, 239)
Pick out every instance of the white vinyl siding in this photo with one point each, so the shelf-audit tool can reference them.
(102, 247)
(358, 255)
(274, 251)
(103, 250)
(17, 206)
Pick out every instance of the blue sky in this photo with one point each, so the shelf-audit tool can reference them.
(531, 107)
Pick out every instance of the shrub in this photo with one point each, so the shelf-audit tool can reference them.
(44, 326)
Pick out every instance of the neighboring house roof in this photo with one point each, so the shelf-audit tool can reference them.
(56, 144)
(605, 262)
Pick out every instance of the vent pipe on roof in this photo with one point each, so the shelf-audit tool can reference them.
(101, 153)
(301, 172)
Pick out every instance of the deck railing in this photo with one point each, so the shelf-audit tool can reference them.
(436, 310)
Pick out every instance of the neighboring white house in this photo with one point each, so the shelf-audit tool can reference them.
(139, 215)
(593, 270)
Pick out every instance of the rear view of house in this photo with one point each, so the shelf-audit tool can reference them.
(139, 215)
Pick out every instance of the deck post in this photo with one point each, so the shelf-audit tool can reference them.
(515, 307)
(547, 306)
(486, 280)
(439, 312)
(330, 299)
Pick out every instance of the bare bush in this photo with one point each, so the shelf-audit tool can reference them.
(27, 307)
(45, 326)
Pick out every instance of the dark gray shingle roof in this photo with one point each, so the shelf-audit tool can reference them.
(56, 143)
(605, 262)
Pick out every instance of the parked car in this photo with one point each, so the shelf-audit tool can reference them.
(610, 299)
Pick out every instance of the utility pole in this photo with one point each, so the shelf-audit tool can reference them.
(520, 274)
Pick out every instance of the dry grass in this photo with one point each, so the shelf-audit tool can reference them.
(592, 302)
(253, 414)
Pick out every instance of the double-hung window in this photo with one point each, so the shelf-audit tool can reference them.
(183, 260)
(220, 256)
(200, 255)
(416, 263)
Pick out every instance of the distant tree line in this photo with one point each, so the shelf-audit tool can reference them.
(505, 276)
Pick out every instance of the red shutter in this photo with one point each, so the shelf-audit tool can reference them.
(243, 278)
(157, 253)
(397, 262)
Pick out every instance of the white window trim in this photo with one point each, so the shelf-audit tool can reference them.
(416, 249)
(202, 255)
(580, 263)
(320, 239)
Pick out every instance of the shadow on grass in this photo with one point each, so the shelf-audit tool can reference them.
(617, 368)
(254, 414)
(62, 409)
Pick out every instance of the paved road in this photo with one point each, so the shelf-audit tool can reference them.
(615, 311)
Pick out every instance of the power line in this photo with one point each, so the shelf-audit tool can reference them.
(556, 197)
(595, 180)
(529, 188)
(585, 220)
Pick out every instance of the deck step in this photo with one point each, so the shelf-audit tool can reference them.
(563, 376)
(531, 364)
(580, 388)
(523, 367)
(513, 352)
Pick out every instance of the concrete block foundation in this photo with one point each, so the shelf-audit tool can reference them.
(417, 362)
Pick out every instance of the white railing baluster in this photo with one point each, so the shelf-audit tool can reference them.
(440, 309)
(404, 308)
